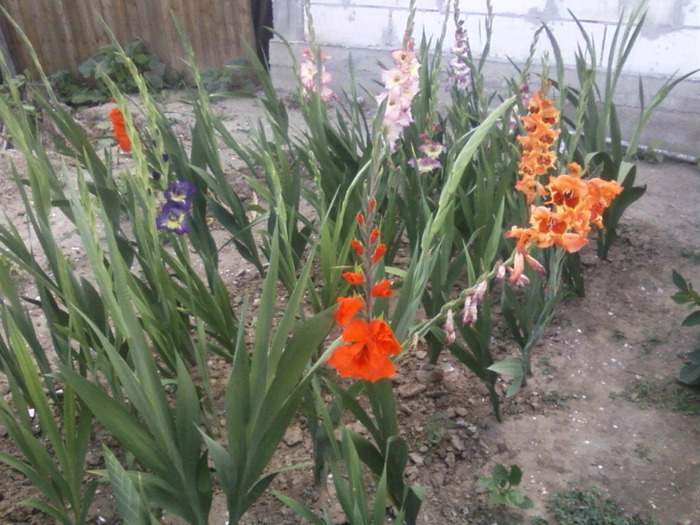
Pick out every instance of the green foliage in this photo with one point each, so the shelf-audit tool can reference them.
(688, 296)
(234, 79)
(500, 486)
(663, 394)
(133, 334)
(590, 507)
(527, 314)
(690, 372)
(110, 61)
(435, 430)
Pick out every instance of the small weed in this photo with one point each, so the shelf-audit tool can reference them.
(663, 394)
(589, 507)
(643, 452)
(554, 399)
(691, 255)
(619, 335)
(538, 521)
(500, 486)
(544, 365)
(435, 430)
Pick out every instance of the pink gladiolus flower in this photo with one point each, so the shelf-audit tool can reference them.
(401, 84)
(309, 73)
(425, 164)
(458, 70)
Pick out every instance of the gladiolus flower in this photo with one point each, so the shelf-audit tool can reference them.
(180, 192)
(119, 129)
(366, 355)
(357, 246)
(567, 191)
(401, 85)
(374, 235)
(309, 73)
(354, 277)
(432, 149)
(347, 308)
(360, 219)
(379, 252)
(425, 164)
(173, 218)
(382, 289)
(459, 71)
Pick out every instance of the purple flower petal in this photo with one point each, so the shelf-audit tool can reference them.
(173, 218)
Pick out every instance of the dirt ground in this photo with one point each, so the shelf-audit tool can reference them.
(602, 408)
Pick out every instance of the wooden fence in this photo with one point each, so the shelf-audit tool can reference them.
(65, 33)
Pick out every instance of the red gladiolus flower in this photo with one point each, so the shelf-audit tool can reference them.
(360, 219)
(382, 289)
(119, 129)
(354, 277)
(366, 355)
(379, 252)
(374, 235)
(357, 246)
(347, 308)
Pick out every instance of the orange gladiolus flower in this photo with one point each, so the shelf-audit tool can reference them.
(360, 219)
(347, 308)
(567, 191)
(602, 192)
(574, 168)
(382, 289)
(531, 188)
(354, 277)
(119, 129)
(366, 355)
(379, 252)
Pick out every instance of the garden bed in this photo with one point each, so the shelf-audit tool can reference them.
(602, 408)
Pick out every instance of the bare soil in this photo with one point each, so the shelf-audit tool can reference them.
(602, 408)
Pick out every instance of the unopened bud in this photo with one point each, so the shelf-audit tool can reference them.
(480, 290)
(415, 341)
(522, 281)
(500, 273)
(449, 328)
(535, 264)
(470, 312)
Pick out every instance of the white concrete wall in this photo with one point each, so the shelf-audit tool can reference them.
(670, 40)
(668, 44)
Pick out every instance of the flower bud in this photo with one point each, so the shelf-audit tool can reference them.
(449, 328)
(500, 273)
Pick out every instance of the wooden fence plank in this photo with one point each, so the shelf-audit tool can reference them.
(17, 50)
(64, 33)
(84, 27)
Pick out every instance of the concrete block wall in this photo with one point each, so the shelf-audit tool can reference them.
(669, 43)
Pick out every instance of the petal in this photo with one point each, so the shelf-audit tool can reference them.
(383, 337)
(347, 308)
(356, 330)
